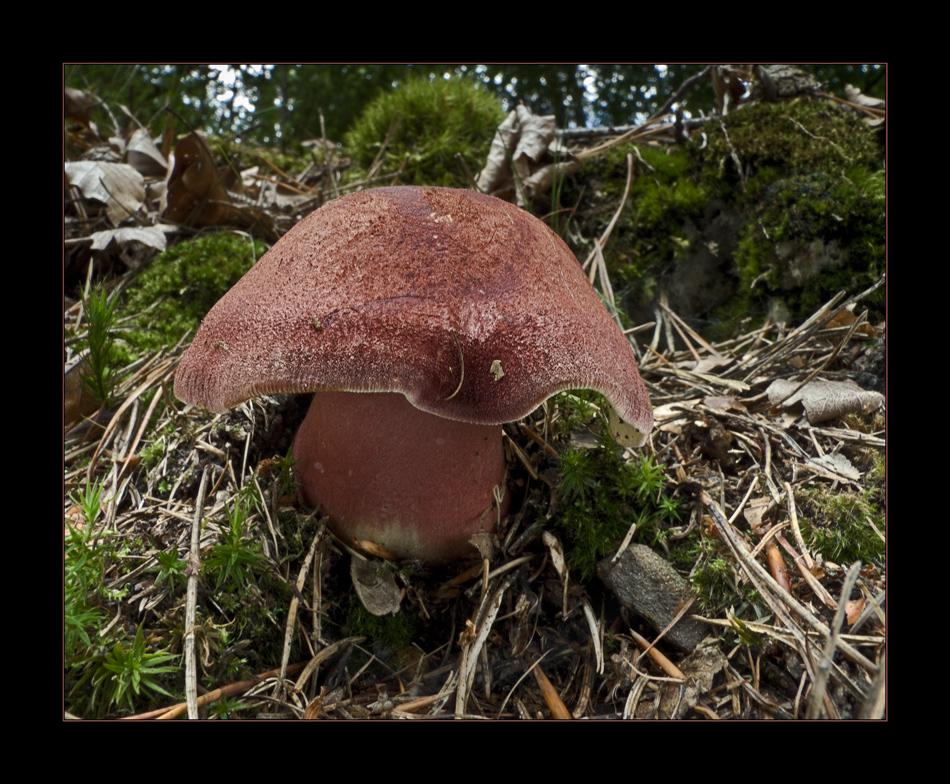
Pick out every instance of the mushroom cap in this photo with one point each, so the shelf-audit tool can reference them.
(467, 305)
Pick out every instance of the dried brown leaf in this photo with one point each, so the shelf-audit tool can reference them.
(755, 510)
(497, 169)
(846, 318)
(824, 400)
(375, 585)
(711, 363)
(144, 156)
(837, 465)
(77, 401)
(78, 105)
(724, 403)
(117, 185)
(518, 159)
(854, 610)
(153, 236)
(700, 669)
(195, 186)
(856, 96)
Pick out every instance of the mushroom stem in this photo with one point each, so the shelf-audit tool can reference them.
(418, 484)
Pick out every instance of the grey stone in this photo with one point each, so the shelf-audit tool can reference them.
(650, 587)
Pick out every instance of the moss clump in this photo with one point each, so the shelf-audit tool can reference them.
(186, 281)
(841, 525)
(652, 234)
(436, 120)
(152, 453)
(664, 198)
(800, 217)
(669, 195)
(387, 635)
(601, 495)
(814, 234)
(812, 194)
(715, 581)
(795, 136)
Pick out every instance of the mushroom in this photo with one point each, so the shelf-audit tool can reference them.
(423, 319)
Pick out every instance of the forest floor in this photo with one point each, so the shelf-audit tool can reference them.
(780, 507)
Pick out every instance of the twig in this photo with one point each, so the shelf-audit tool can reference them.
(796, 529)
(681, 91)
(759, 575)
(822, 671)
(470, 652)
(294, 602)
(191, 603)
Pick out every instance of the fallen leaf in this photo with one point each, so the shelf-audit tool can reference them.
(824, 400)
(77, 400)
(836, 464)
(525, 148)
(153, 236)
(556, 552)
(700, 669)
(853, 610)
(78, 105)
(856, 96)
(145, 156)
(729, 84)
(195, 191)
(846, 318)
(711, 363)
(724, 403)
(375, 585)
(755, 510)
(117, 185)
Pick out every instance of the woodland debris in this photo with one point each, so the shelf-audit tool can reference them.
(649, 585)
(116, 185)
(525, 157)
(823, 400)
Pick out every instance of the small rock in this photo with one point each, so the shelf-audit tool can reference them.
(649, 586)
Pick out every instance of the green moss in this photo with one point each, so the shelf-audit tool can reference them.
(152, 452)
(601, 494)
(385, 634)
(437, 120)
(665, 196)
(800, 135)
(185, 281)
(840, 525)
(813, 198)
(803, 220)
(714, 581)
(814, 234)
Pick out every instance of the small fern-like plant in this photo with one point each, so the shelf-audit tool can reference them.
(171, 569)
(127, 672)
(84, 567)
(235, 557)
(100, 373)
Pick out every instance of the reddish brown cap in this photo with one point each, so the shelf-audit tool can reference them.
(469, 306)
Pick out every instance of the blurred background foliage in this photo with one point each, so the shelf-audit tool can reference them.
(280, 105)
